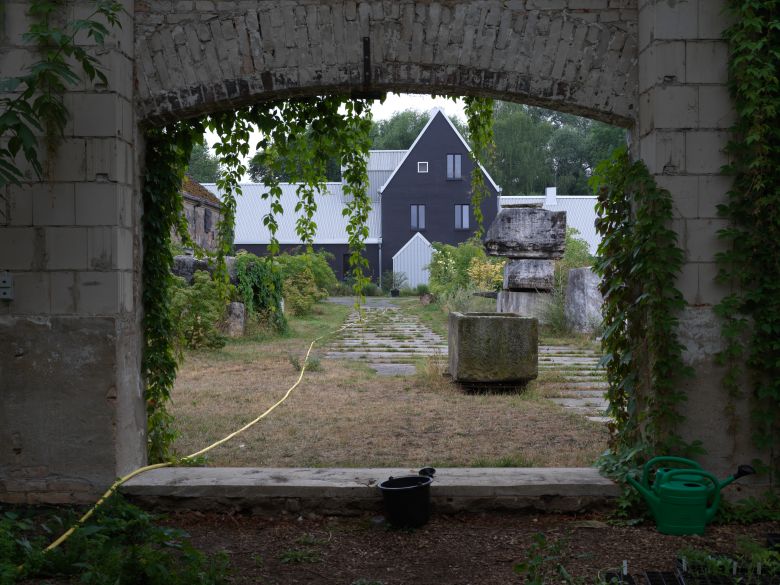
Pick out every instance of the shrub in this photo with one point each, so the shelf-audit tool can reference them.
(260, 288)
(317, 262)
(486, 273)
(423, 289)
(197, 311)
(450, 264)
(301, 292)
(393, 280)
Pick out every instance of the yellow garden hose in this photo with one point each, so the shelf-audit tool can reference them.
(140, 470)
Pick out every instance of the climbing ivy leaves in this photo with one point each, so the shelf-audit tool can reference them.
(34, 104)
(479, 116)
(751, 264)
(639, 261)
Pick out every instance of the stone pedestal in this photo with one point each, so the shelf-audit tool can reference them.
(493, 348)
(529, 275)
(582, 307)
(527, 231)
(526, 304)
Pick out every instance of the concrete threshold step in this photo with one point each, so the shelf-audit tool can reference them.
(354, 490)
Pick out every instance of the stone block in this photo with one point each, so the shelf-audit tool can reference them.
(713, 191)
(63, 293)
(17, 248)
(31, 293)
(715, 107)
(493, 348)
(235, 320)
(53, 204)
(96, 114)
(20, 208)
(527, 232)
(98, 293)
(525, 304)
(97, 204)
(582, 306)
(703, 242)
(707, 62)
(669, 62)
(676, 106)
(529, 275)
(675, 20)
(713, 20)
(685, 193)
(669, 152)
(704, 151)
(66, 248)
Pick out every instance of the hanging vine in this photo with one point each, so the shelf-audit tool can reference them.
(479, 118)
(751, 265)
(639, 261)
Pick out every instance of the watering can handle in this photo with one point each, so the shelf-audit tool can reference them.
(665, 459)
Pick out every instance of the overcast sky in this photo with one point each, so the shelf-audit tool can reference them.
(392, 104)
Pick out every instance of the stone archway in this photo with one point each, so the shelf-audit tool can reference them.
(71, 408)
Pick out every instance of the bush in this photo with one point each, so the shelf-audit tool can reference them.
(260, 287)
(317, 262)
(393, 280)
(197, 311)
(450, 264)
(423, 289)
(301, 292)
(486, 273)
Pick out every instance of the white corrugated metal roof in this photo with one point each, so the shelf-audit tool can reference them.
(331, 224)
(580, 213)
(385, 160)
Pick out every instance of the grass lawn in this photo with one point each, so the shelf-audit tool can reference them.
(343, 414)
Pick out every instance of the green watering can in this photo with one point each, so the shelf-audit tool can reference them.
(683, 500)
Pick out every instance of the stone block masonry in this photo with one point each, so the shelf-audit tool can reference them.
(71, 409)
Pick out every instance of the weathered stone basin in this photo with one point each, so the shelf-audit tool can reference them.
(493, 348)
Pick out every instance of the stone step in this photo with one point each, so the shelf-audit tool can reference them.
(584, 402)
(566, 393)
(344, 491)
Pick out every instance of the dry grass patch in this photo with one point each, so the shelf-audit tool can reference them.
(345, 415)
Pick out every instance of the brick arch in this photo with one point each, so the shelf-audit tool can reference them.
(578, 56)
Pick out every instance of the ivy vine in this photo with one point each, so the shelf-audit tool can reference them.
(479, 118)
(751, 264)
(35, 105)
(639, 261)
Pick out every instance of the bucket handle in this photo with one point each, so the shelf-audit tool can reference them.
(427, 472)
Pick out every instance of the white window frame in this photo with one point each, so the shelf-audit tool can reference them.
(422, 167)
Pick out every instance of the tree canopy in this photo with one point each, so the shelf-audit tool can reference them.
(203, 165)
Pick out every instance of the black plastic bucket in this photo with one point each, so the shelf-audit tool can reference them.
(407, 499)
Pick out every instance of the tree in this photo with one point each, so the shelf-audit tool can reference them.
(260, 163)
(203, 166)
(400, 130)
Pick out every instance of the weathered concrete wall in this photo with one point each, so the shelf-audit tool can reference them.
(684, 116)
(573, 55)
(582, 302)
(71, 411)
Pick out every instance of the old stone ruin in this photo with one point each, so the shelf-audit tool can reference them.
(499, 351)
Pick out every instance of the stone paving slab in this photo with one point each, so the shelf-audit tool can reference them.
(342, 490)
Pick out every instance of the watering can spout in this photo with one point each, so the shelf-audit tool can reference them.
(742, 471)
(651, 499)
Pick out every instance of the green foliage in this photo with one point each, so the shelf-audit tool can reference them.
(537, 148)
(260, 286)
(120, 544)
(198, 311)
(301, 292)
(400, 130)
(449, 267)
(393, 280)
(750, 510)
(540, 556)
(479, 117)
(299, 555)
(37, 104)
(638, 263)
(203, 166)
(316, 262)
(751, 262)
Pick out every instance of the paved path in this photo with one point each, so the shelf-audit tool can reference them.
(390, 342)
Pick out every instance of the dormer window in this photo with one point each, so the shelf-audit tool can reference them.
(422, 167)
(454, 167)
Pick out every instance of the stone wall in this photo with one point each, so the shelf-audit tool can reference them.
(71, 412)
(573, 55)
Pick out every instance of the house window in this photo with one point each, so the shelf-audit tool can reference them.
(422, 167)
(207, 223)
(462, 217)
(418, 217)
(453, 166)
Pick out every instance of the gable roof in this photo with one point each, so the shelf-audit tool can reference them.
(436, 112)
(195, 190)
(416, 236)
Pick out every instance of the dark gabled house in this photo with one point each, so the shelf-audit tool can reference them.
(418, 196)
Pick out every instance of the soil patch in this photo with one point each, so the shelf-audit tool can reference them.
(473, 549)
